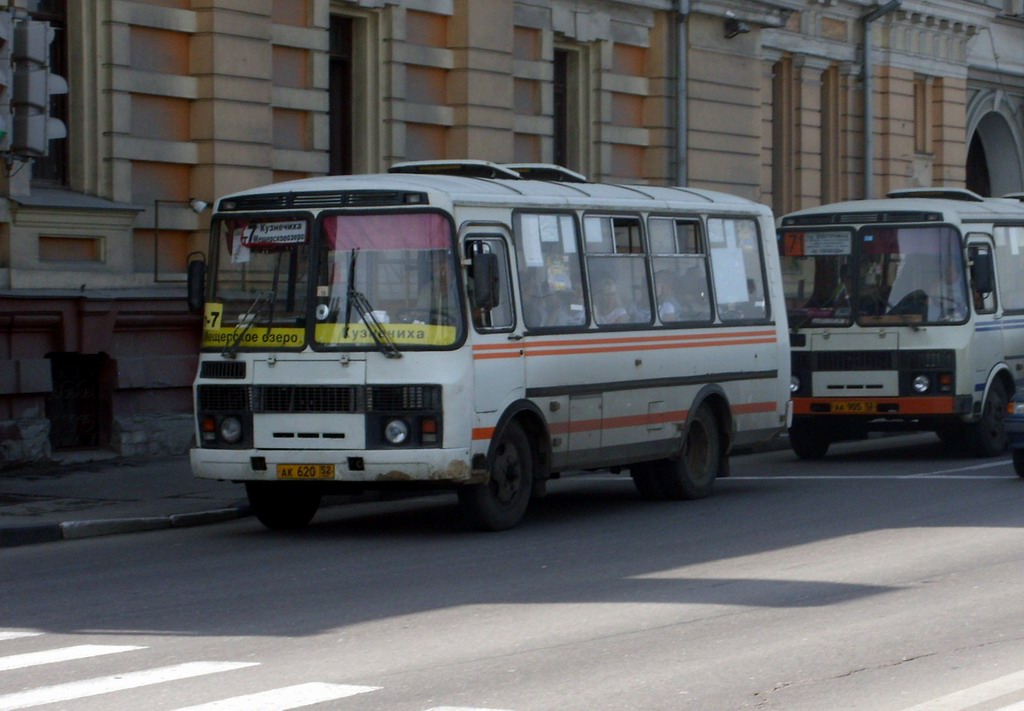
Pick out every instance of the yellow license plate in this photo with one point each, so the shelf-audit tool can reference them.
(305, 471)
(854, 407)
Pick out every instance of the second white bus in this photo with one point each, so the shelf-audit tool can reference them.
(483, 328)
(906, 313)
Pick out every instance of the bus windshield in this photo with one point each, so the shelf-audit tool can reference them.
(881, 275)
(259, 284)
(393, 272)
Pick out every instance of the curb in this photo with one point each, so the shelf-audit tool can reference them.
(71, 530)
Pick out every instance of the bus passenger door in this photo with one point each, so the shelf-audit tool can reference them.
(497, 355)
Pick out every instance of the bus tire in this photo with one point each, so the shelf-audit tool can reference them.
(1018, 461)
(501, 502)
(988, 435)
(692, 474)
(807, 440)
(646, 480)
(282, 507)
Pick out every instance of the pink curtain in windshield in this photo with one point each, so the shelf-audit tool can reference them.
(418, 230)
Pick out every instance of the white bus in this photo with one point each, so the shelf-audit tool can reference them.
(905, 313)
(482, 328)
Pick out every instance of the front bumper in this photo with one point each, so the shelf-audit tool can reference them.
(412, 465)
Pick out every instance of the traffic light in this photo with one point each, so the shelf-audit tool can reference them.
(33, 84)
(5, 78)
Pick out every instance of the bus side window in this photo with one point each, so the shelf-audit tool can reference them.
(738, 268)
(617, 270)
(500, 316)
(680, 267)
(983, 294)
(550, 274)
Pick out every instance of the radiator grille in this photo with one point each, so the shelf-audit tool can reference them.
(320, 399)
(855, 360)
(223, 398)
(304, 398)
(222, 369)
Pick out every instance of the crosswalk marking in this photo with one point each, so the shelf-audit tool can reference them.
(119, 682)
(16, 634)
(972, 696)
(64, 654)
(288, 697)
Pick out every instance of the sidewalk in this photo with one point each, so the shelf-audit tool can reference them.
(78, 498)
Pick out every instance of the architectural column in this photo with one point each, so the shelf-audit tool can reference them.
(232, 119)
(480, 84)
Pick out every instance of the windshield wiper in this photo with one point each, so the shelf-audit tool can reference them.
(263, 302)
(362, 305)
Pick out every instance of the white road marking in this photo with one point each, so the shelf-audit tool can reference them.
(119, 682)
(288, 697)
(975, 695)
(64, 654)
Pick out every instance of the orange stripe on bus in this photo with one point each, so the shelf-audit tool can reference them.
(624, 421)
(616, 345)
(701, 336)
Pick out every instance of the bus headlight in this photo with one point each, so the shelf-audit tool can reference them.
(794, 384)
(396, 431)
(231, 430)
(921, 384)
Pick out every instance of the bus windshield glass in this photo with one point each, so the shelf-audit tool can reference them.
(259, 284)
(393, 272)
(881, 275)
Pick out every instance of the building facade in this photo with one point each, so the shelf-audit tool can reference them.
(174, 102)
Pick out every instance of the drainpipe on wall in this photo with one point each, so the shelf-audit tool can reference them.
(682, 11)
(869, 99)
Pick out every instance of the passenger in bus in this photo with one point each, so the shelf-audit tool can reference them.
(609, 308)
(564, 309)
(666, 287)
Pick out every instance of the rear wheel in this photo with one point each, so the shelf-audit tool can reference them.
(808, 439)
(500, 503)
(692, 475)
(987, 437)
(282, 506)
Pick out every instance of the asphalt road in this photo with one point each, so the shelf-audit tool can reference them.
(887, 576)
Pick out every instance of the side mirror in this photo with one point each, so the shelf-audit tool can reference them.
(486, 293)
(982, 272)
(196, 285)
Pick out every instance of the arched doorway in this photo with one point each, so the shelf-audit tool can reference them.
(994, 163)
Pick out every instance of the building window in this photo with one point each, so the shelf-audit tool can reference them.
(570, 130)
(341, 95)
(922, 115)
(53, 167)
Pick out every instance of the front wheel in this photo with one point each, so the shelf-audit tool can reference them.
(1018, 462)
(692, 475)
(988, 435)
(282, 507)
(808, 439)
(500, 502)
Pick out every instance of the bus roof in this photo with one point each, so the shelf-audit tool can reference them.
(918, 206)
(440, 188)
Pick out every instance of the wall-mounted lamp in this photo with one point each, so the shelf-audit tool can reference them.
(195, 204)
(734, 27)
